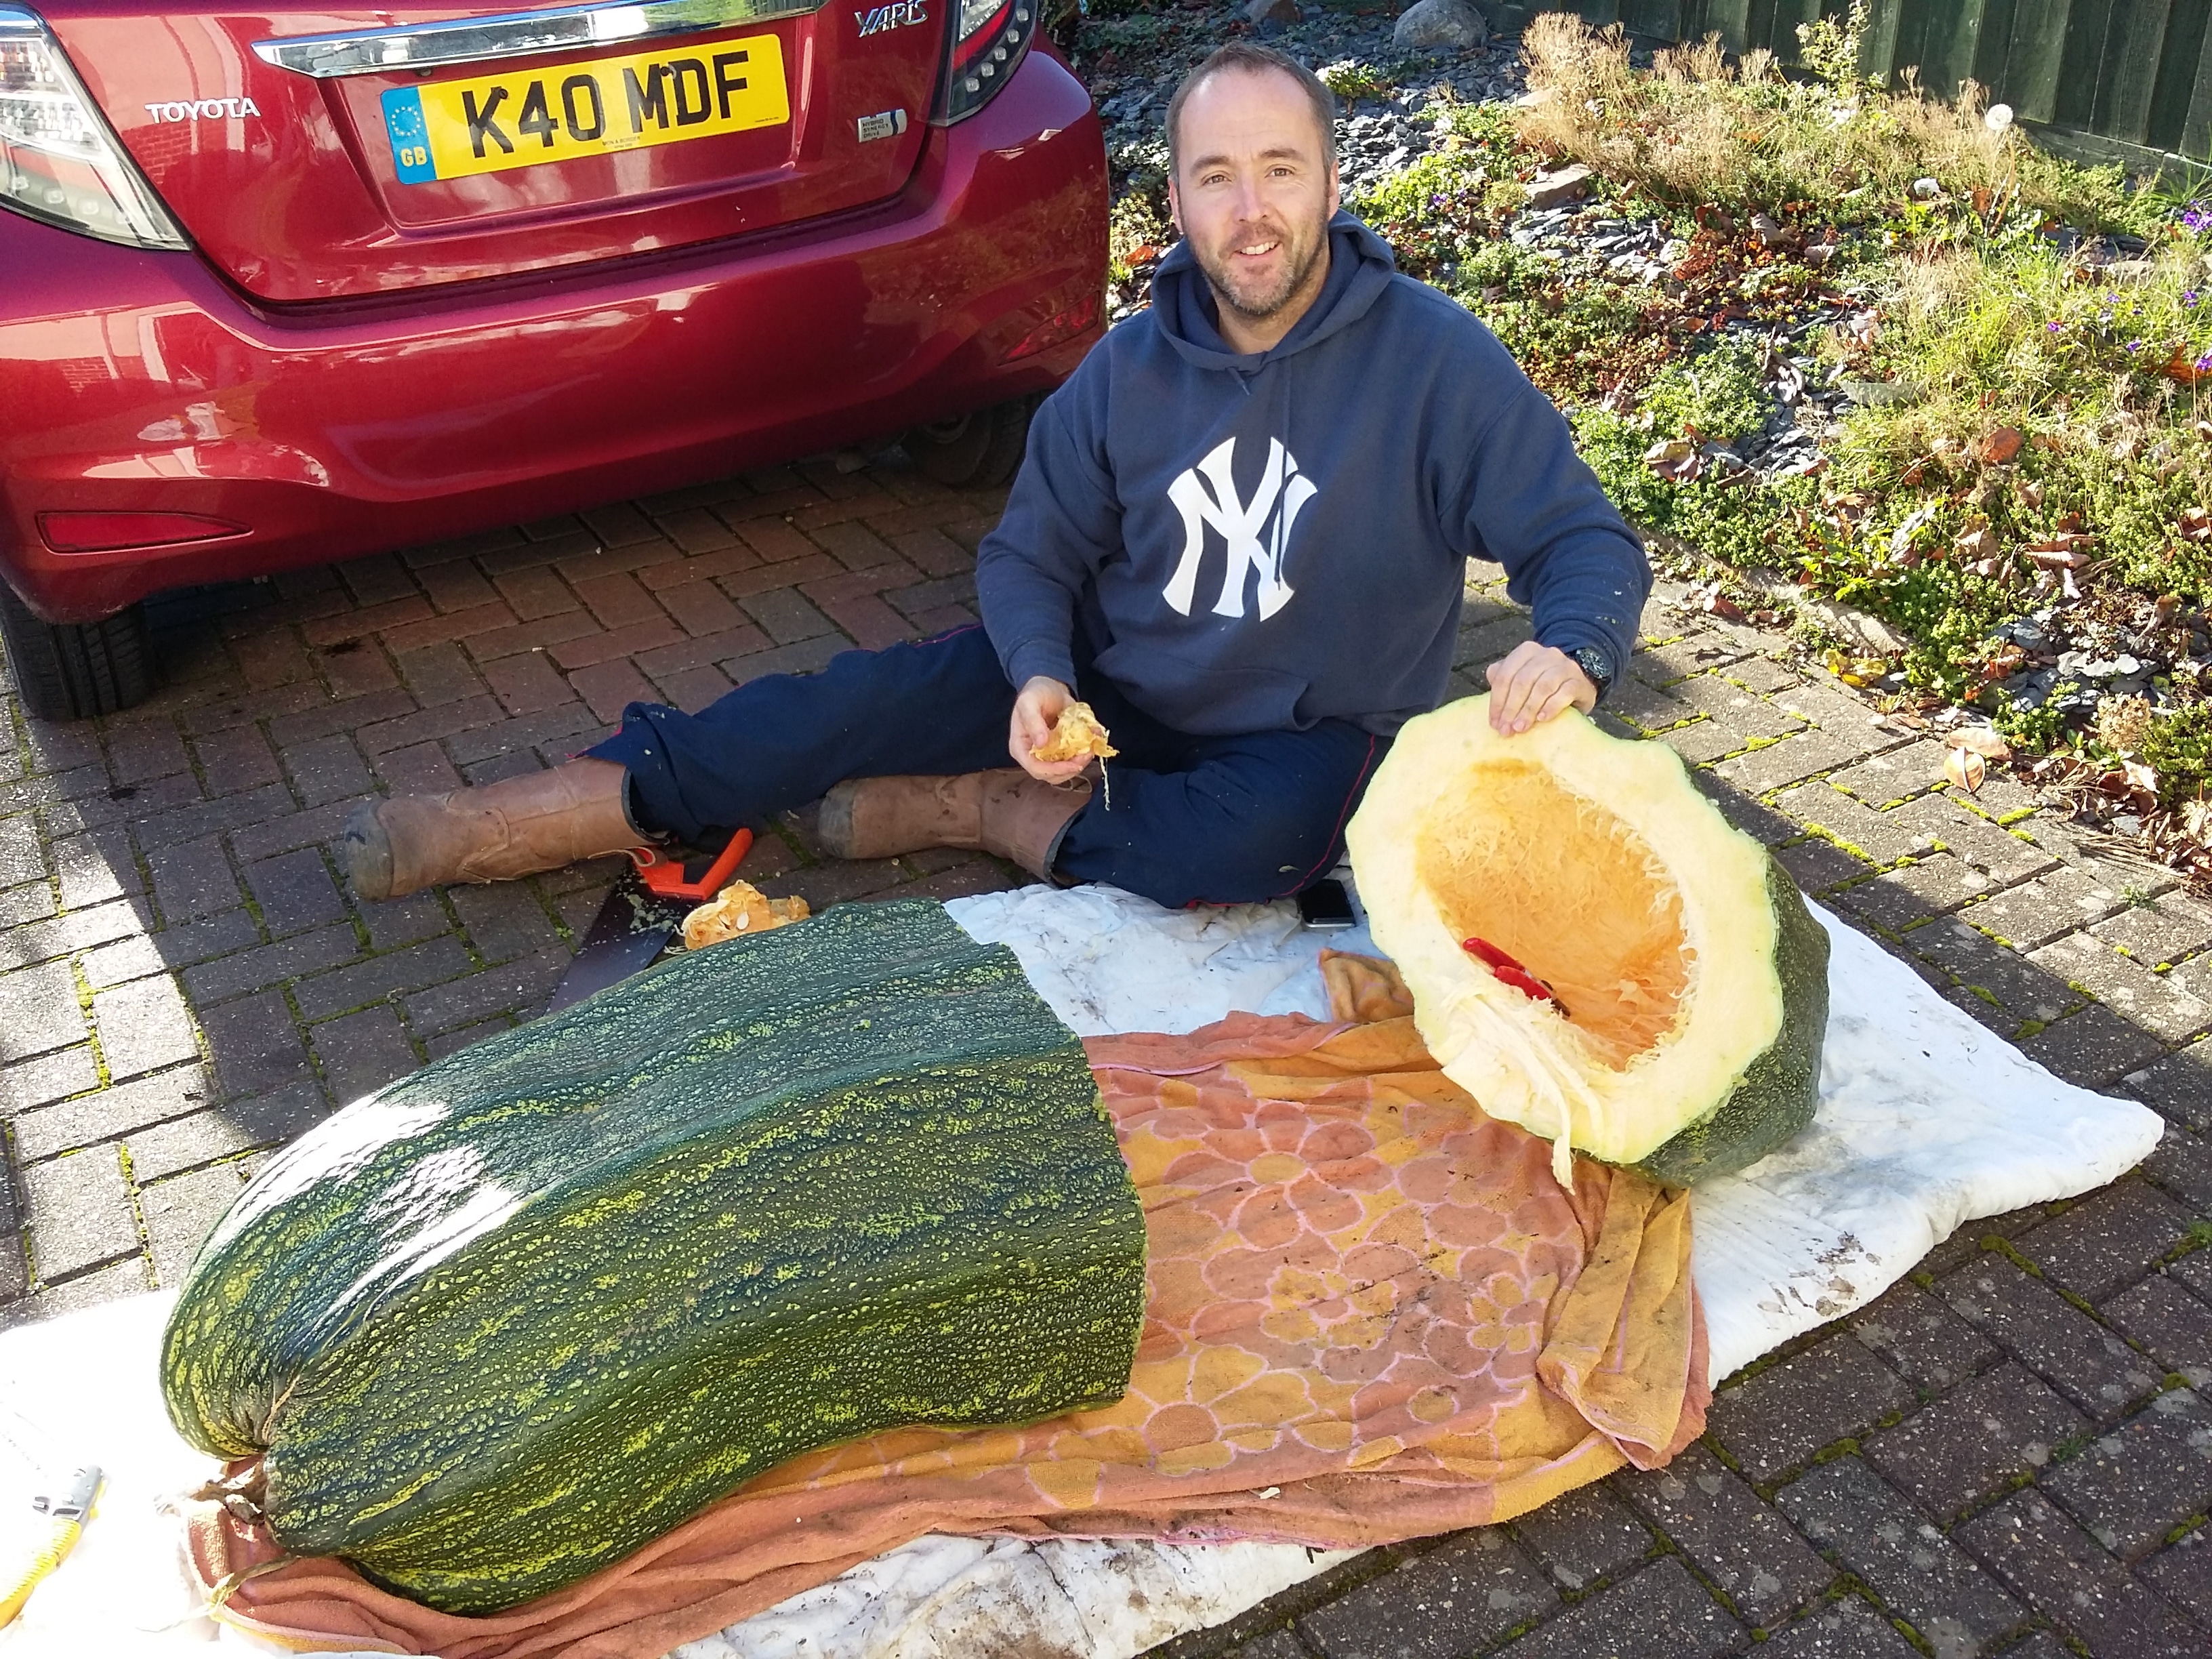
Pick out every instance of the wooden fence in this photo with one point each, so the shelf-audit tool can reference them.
(2131, 79)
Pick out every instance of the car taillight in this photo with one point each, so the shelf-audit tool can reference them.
(988, 38)
(58, 162)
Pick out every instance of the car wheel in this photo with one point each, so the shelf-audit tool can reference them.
(973, 452)
(71, 671)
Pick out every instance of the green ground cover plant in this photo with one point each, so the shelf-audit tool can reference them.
(2026, 344)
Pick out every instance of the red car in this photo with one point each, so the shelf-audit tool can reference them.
(280, 287)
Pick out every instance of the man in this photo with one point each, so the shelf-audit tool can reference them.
(1239, 533)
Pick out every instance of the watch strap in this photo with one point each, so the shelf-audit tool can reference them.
(1597, 663)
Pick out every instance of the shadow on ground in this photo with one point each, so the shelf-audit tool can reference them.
(2005, 1453)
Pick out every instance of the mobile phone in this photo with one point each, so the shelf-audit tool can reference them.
(1326, 904)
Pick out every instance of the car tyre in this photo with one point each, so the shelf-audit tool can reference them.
(973, 452)
(73, 671)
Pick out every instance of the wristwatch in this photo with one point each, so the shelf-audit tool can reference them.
(1595, 662)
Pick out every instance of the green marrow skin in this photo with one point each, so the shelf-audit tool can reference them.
(505, 1321)
(1778, 1091)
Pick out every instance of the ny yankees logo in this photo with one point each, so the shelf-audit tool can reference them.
(1282, 494)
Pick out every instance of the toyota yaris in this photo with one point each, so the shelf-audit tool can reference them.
(281, 287)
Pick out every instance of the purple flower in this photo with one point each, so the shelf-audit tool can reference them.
(2134, 345)
(2204, 363)
(2189, 298)
(2054, 327)
(2197, 217)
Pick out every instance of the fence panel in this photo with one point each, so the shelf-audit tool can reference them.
(2184, 67)
(2035, 57)
(2136, 74)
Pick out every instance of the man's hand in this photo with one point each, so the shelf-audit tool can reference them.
(1036, 711)
(1530, 685)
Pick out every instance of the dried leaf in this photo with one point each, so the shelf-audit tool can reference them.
(1900, 540)
(1985, 740)
(2195, 524)
(1965, 769)
(1997, 446)
(2185, 367)
(1978, 543)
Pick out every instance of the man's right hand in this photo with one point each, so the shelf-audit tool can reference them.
(1036, 711)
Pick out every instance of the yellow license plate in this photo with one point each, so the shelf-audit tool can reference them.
(451, 129)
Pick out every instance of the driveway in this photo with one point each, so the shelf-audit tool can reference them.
(2007, 1448)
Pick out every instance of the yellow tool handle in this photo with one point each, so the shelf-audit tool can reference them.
(59, 1542)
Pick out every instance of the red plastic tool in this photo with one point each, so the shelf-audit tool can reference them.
(640, 917)
(1510, 972)
(664, 876)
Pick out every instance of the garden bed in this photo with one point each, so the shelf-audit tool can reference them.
(1863, 364)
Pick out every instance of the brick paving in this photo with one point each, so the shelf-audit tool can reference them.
(2006, 1453)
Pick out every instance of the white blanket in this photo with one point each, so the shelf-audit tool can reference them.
(1926, 1121)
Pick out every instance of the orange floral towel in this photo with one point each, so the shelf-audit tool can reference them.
(1372, 1315)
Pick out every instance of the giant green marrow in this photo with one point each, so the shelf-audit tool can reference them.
(501, 1322)
(1595, 952)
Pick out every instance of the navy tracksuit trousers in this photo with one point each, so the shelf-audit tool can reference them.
(1192, 820)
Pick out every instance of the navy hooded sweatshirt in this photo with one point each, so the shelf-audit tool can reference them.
(1257, 542)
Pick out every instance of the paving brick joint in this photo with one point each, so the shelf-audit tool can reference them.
(2009, 1452)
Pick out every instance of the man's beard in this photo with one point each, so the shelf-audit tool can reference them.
(1257, 305)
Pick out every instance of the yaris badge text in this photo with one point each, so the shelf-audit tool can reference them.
(897, 15)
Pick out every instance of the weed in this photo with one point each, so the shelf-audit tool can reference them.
(1138, 230)
(1349, 78)
(1698, 129)
(2179, 750)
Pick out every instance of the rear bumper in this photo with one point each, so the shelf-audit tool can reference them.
(141, 382)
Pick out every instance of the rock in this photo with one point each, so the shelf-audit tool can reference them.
(1551, 190)
(1849, 623)
(2125, 272)
(1285, 12)
(1440, 26)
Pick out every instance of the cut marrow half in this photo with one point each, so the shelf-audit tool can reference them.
(1595, 952)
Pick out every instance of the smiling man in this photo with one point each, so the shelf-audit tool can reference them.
(1239, 533)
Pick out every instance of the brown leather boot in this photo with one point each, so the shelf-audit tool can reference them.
(1006, 813)
(515, 826)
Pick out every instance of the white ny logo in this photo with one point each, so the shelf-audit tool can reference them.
(1242, 526)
